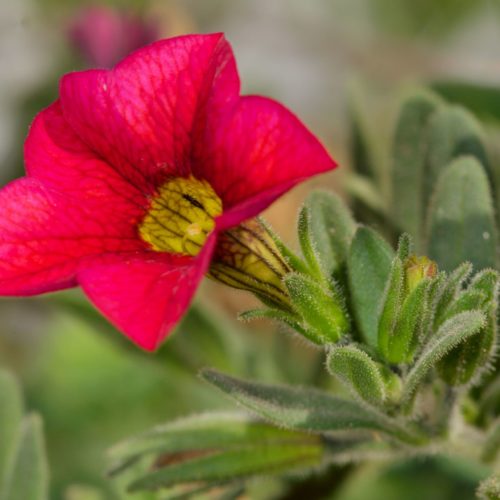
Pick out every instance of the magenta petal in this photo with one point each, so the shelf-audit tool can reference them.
(142, 115)
(44, 237)
(256, 153)
(59, 159)
(144, 295)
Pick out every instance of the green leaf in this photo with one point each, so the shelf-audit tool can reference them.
(363, 143)
(409, 328)
(201, 433)
(471, 358)
(389, 316)
(447, 290)
(408, 167)
(293, 260)
(305, 408)
(468, 300)
(453, 332)
(365, 191)
(482, 100)
(331, 230)
(491, 447)
(453, 132)
(233, 464)
(307, 244)
(358, 372)
(369, 265)
(321, 309)
(276, 315)
(27, 477)
(11, 411)
(405, 247)
(461, 218)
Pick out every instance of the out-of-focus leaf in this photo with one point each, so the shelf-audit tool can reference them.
(331, 230)
(198, 433)
(369, 265)
(364, 191)
(453, 132)
(489, 489)
(461, 223)
(491, 447)
(408, 157)
(27, 476)
(482, 100)
(358, 372)
(233, 464)
(80, 492)
(306, 408)
(453, 332)
(11, 410)
(425, 18)
(363, 143)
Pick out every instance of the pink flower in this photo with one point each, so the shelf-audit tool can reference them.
(104, 35)
(133, 173)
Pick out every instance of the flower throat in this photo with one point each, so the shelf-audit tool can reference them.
(181, 216)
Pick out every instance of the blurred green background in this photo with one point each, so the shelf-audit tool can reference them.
(91, 386)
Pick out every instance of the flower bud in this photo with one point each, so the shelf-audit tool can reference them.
(416, 269)
(246, 257)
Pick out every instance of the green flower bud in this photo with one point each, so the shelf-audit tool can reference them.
(247, 257)
(416, 269)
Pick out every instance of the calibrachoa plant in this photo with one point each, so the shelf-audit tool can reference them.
(144, 178)
(134, 172)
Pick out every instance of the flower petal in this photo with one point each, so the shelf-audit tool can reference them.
(44, 236)
(144, 295)
(141, 115)
(254, 154)
(59, 159)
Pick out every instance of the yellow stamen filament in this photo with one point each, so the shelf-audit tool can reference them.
(181, 216)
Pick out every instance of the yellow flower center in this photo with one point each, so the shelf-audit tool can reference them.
(181, 216)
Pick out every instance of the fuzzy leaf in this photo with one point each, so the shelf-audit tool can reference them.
(307, 244)
(471, 358)
(331, 230)
(369, 265)
(275, 315)
(27, 476)
(322, 311)
(461, 218)
(305, 408)
(403, 343)
(201, 433)
(233, 464)
(358, 372)
(408, 161)
(453, 132)
(296, 263)
(389, 316)
(452, 333)
(447, 290)
(11, 410)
